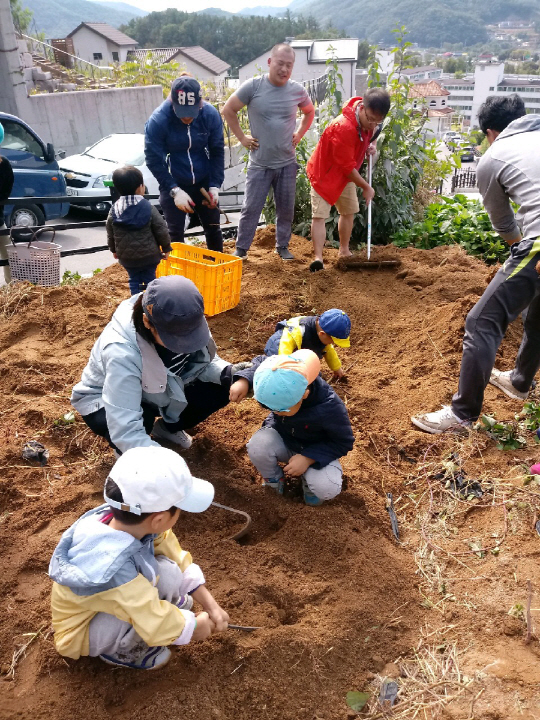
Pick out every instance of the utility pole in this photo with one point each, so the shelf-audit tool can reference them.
(13, 95)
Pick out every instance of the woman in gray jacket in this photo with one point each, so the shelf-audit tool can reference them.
(155, 357)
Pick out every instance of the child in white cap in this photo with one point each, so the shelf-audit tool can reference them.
(308, 429)
(123, 587)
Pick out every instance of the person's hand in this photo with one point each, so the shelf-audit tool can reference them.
(250, 143)
(338, 374)
(220, 618)
(239, 390)
(372, 149)
(214, 194)
(115, 256)
(165, 255)
(296, 139)
(368, 193)
(205, 627)
(183, 202)
(298, 465)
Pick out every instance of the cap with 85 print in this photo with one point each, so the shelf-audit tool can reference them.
(186, 97)
(154, 479)
(175, 308)
(281, 380)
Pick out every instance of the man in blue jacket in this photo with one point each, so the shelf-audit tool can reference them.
(185, 151)
(308, 429)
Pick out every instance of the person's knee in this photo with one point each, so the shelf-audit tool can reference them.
(261, 445)
(326, 482)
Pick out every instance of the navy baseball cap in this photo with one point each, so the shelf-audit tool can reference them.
(337, 324)
(186, 97)
(175, 308)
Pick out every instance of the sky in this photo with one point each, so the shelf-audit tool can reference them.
(194, 5)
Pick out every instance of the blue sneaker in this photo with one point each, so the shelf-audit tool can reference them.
(151, 658)
(276, 484)
(309, 497)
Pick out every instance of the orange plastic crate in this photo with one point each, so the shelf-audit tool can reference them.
(218, 276)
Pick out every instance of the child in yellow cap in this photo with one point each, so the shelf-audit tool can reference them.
(308, 429)
(317, 333)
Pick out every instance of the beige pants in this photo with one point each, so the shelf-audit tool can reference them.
(346, 204)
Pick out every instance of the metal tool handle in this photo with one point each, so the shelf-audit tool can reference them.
(370, 169)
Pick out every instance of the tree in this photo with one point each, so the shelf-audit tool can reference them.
(22, 17)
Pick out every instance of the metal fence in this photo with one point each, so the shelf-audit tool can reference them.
(463, 179)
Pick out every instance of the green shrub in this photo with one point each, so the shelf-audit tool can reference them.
(455, 220)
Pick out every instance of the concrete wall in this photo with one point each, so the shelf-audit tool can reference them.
(87, 42)
(74, 120)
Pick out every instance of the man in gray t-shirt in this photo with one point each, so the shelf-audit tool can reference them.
(272, 102)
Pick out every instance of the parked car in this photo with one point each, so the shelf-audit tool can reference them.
(85, 173)
(450, 135)
(466, 153)
(452, 140)
(36, 174)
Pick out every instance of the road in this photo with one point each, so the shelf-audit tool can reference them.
(87, 238)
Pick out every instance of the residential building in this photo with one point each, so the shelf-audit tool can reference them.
(418, 74)
(100, 43)
(202, 64)
(431, 96)
(467, 94)
(310, 62)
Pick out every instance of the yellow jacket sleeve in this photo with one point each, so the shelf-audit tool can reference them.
(331, 357)
(291, 340)
(167, 544)
(137, 602)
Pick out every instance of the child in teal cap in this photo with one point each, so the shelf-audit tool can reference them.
(317, 333)
(308, 429)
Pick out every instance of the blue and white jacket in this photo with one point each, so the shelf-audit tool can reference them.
(184, 155)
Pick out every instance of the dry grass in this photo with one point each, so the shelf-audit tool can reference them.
(13, 296)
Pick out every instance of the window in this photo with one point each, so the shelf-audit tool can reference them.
(491, 89)
(432, 103)
(98, 56)
(115, 56)
(443, 102)
(17, 138)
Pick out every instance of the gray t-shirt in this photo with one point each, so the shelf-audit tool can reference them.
(272, 119)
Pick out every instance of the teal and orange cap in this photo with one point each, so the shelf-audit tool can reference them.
(281, 380)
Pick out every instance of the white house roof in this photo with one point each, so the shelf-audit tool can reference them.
(196, 53)
(416, 70)
(319, 51)
(107, 31)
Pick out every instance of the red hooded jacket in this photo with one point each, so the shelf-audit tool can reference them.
(340, 150)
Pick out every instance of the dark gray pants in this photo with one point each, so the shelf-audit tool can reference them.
(513, 289)
(258, 184)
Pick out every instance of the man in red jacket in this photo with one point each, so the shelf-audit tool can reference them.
(333, 169)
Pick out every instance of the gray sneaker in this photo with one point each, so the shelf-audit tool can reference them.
(284, 253)
(240, 253)
(502, 381)
(151, 658)
(180, 437)
(439, 421)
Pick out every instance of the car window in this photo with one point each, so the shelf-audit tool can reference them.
(124, 149)
(16, 137)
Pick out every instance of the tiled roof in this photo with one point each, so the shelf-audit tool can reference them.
(106, 31)
(440, 112)
(414, 71)
(203, 57)
(428, 89)
(164, 55)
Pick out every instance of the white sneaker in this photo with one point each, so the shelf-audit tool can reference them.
(439, 421)
(180, 437)
(502, 381)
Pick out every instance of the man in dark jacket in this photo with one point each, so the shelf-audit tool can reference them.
(185, 151)
(308, 429)
(136, 233)
(6, 186)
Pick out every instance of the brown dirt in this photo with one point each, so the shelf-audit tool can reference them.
(337, 597)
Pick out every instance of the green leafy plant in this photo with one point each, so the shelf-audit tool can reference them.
(455, 220)
(64, 420)
(507, 435)
(530, 415)
(357, 700)
(71, 278)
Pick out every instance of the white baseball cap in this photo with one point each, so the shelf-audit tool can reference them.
(154, 479)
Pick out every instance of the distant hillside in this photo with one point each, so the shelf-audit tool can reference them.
(123, 7)
(218, 12)
(264, 11)
(430, 22)
(57, 18)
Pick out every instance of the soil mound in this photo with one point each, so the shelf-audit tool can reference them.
(337, 598)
